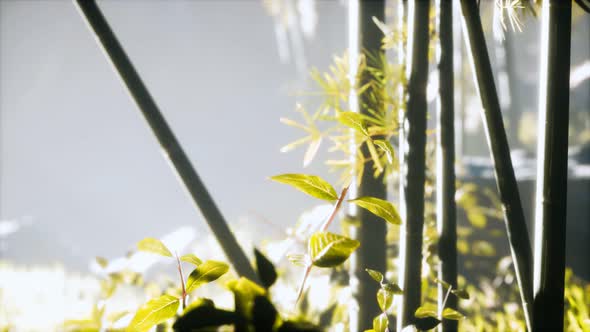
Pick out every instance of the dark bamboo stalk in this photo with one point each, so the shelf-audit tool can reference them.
(445, 158)
(372, 230)
(170, 145)
(516, 227)
(413, 152)
(551, 199)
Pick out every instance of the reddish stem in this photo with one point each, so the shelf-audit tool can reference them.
(336, 208)
(181, 281)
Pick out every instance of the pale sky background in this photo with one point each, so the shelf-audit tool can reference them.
(79, 162)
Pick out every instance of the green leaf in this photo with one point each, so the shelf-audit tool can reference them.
(379, 207)
(245, 291)
(461, 293)
(154, 312)
(328, 250)
(385, 299)
(445, 284)
(154, 246)
(102, 262)
(452, 314)
(309, 184)
(380, 323)
(205, 273)
(393, 288)
(202, 314)
(191, 258)
(376, 275)
(264, 314)
(266, 270)
(387, 148)
(353, 120)
(426, 323)
(423, 312)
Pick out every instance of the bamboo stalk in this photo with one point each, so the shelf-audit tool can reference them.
(170, 145)
(372, 230)
(412, 165)
(551, 197)
(516, 227)
(445, 158)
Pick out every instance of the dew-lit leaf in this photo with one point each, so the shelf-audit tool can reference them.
(461, 293)
(154, 312)
(312, 150)
(353, 120)
(423, 312)
(393, 288)
(309, 184)
(379, 207)
(387, 148)
(452, 314)
(328, 250)
(153, 246)
(380, 323)
(385, 299)
(376, 275)
(191, 258)
(205, 273)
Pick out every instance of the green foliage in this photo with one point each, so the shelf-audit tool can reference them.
(379, 207)
(205, 273)
(154, 246)
(154, 312)
(329, 250)
(191, 258)
(309, 184)
(265, 268)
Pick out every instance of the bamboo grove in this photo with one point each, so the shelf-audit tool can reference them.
(370, 104)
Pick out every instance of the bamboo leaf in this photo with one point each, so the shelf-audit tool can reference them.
(461, 293)
(309, 184)
(452, 314)
(380, 323)
(153, 246)
(393, 288)
(191, 258)
(312, 150)
(205, 273)
(379, 207)
(423, 312)
(353, 120)
(154, 312)
(426, 323)
(376, 275)
(385, 299)
(329, 250)
(387, 148)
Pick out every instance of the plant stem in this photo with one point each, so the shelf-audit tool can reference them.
(551, 197)
(445, 157)
(179, 265)
(413, 161)
(516, 227)
(365, 41)
(171, 147)
(326, 224)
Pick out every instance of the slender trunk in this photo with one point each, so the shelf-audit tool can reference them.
(516, 227)
(551, 199)
(413, 150)
(445, 158)
(170, 145)
(372, 230)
